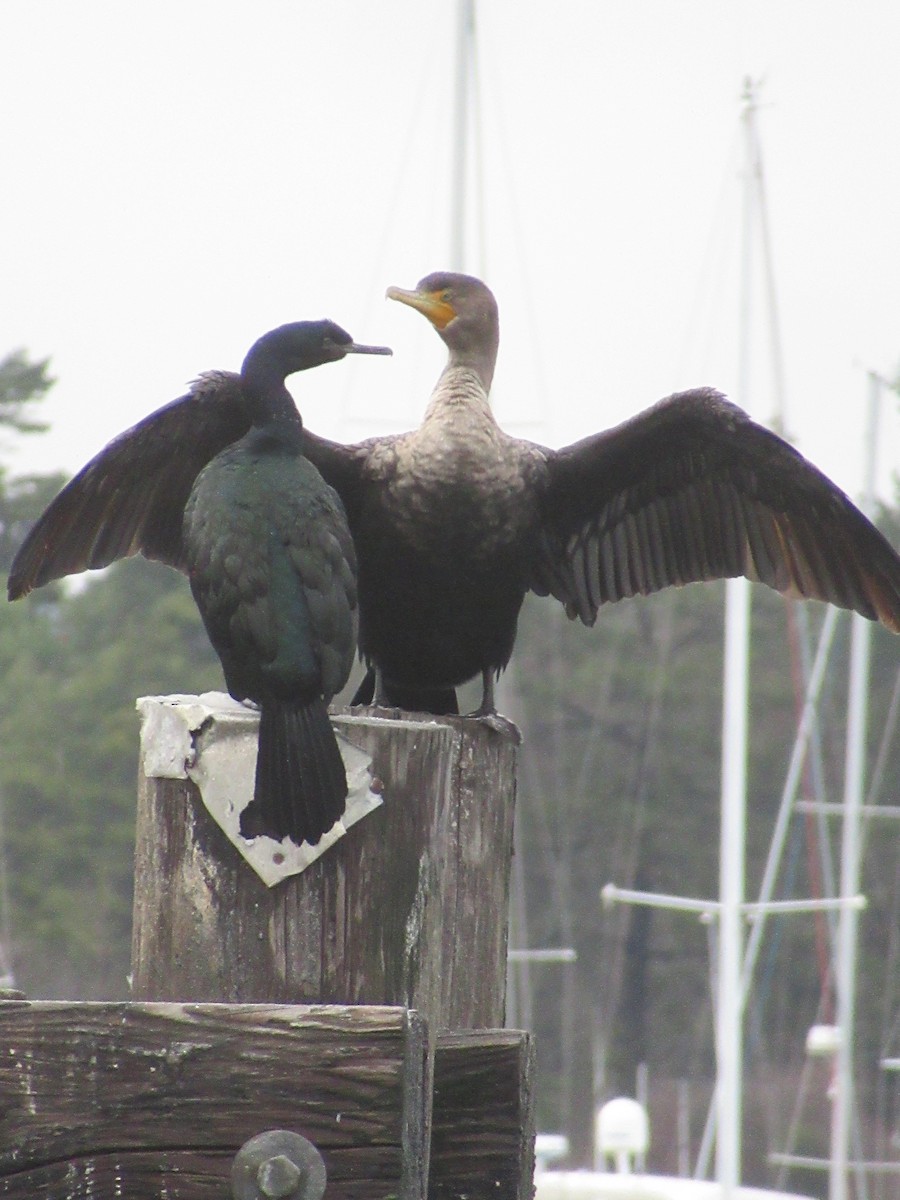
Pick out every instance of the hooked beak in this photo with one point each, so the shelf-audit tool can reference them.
(438, 311)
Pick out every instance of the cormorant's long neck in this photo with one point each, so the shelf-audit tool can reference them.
(478, 352)
(465, 380)
(265, 390)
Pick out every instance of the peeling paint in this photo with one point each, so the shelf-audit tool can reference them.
(211, 740)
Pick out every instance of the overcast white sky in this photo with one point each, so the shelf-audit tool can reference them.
(181, 176)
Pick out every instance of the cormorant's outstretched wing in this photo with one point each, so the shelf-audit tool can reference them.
(343, 466)
(130, 497)
(693, 489)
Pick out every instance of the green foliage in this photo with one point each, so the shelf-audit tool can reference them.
(71, 666)
(70, 671)
(22, 383)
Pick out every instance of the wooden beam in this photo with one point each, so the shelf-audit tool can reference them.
(482, 1126)
(150, 1100)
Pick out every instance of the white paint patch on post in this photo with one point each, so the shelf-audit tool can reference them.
(211, 739)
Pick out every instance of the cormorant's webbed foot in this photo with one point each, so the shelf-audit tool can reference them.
(487, 710)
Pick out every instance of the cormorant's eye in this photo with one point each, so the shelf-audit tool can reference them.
(445, 296)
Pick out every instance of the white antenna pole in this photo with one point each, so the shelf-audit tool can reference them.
(854, 776)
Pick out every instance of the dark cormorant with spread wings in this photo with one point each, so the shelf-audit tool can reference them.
(455, 521)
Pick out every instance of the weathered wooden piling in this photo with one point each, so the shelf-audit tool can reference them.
(409, 907)
(395, 936)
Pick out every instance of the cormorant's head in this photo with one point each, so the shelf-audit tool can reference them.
(301, 345)
(463, 311)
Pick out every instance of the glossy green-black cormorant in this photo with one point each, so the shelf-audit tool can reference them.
(454, 522)
(273, 571)
(270, 559)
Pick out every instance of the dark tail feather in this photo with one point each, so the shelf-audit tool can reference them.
(440, 702)
(301, 785)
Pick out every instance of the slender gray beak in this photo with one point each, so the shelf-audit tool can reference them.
(356, 348)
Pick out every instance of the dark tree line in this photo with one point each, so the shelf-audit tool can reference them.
(620, 783)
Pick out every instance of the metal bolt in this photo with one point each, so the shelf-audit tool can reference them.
(278, 1176)
(278, 1165)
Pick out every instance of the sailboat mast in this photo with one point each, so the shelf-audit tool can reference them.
(465, 43)
(854, 784)
(732, 837)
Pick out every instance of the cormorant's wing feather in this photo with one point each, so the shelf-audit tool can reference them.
(130, 497)
(343, 466)
(692, 489)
